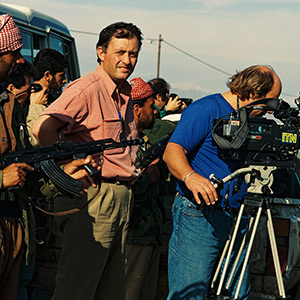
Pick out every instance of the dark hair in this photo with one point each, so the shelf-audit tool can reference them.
(118, 30)
(255, 82)
(19, 74)
(49, 60)
(140, 102)
(160, 87)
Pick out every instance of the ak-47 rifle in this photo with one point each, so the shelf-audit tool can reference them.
(155, 151)
(45, 159)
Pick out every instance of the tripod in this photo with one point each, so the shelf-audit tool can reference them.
(259, 180)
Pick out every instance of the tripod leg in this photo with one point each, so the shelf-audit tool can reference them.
(239, 253)
(220, 264)
(224, 253)
(248, 253)
(236, 227)
(275, 255)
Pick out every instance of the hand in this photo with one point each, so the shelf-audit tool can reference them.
(40, 97)
(183, 106)
(173, 104)
(15, 174)
(153, 171)
(198, 184)
(76, 170)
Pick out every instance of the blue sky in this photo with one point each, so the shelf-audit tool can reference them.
(227, 34)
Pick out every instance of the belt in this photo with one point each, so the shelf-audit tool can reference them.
(7, 196)
(8, 205)
(231, 210)
(115, 181)
(193, 200)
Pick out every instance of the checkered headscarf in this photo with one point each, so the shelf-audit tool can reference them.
(10, 36)
(140, 89)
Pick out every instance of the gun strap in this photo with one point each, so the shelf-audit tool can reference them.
(25, 198)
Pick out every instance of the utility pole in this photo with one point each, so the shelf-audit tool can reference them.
(158, 58)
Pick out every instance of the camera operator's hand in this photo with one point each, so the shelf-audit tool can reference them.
(39, 97)
(15, 174)
(76, 170)
(198, 184)
(178, 164)
(153, 171)
(173, 104)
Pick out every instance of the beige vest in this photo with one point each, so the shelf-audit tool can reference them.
(8, 107)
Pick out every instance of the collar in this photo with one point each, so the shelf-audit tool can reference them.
(111, 86)
(162, 113)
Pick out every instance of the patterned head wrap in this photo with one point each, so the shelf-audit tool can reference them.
(10, 36)
(140, 89)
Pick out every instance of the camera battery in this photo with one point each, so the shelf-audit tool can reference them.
(231, 127)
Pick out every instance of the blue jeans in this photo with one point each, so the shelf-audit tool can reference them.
(197, 240)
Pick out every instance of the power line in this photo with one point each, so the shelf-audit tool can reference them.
(178, 49)
(171, 45)
(83, 32)
(200, 60)
(286, 94)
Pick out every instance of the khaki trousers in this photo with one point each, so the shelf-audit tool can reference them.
(91, 265)
(141, 269)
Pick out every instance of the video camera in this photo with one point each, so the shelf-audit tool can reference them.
(265, 146)
(258, 140)
(52, 95)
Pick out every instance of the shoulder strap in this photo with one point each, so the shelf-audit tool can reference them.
(239, 136)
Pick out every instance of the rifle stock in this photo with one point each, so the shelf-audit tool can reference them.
(45, 159)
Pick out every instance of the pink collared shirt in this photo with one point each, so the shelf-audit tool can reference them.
(92, 108)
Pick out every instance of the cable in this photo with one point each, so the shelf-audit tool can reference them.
(83, 32)
(171, 45)
(178, 49)
(203, 62)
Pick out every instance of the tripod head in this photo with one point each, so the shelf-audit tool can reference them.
(260, 180)
(259, 177)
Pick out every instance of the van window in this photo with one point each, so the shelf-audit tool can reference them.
(26, 50)
(57, 44)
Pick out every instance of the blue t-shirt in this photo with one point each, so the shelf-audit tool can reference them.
(194, 134)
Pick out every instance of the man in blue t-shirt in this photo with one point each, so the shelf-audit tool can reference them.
(199, 236)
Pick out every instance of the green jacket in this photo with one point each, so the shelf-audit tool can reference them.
(148, 210)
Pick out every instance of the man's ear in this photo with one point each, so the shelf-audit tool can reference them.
(136, 110)
(100, 53)
(11, 87)
(47, 76)
(158, 98)
(253, 97)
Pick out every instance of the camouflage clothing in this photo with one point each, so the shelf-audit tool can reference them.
(148, 211)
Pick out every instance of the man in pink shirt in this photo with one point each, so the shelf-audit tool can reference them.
(97, 106)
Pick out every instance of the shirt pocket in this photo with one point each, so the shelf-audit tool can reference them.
(112, 129)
